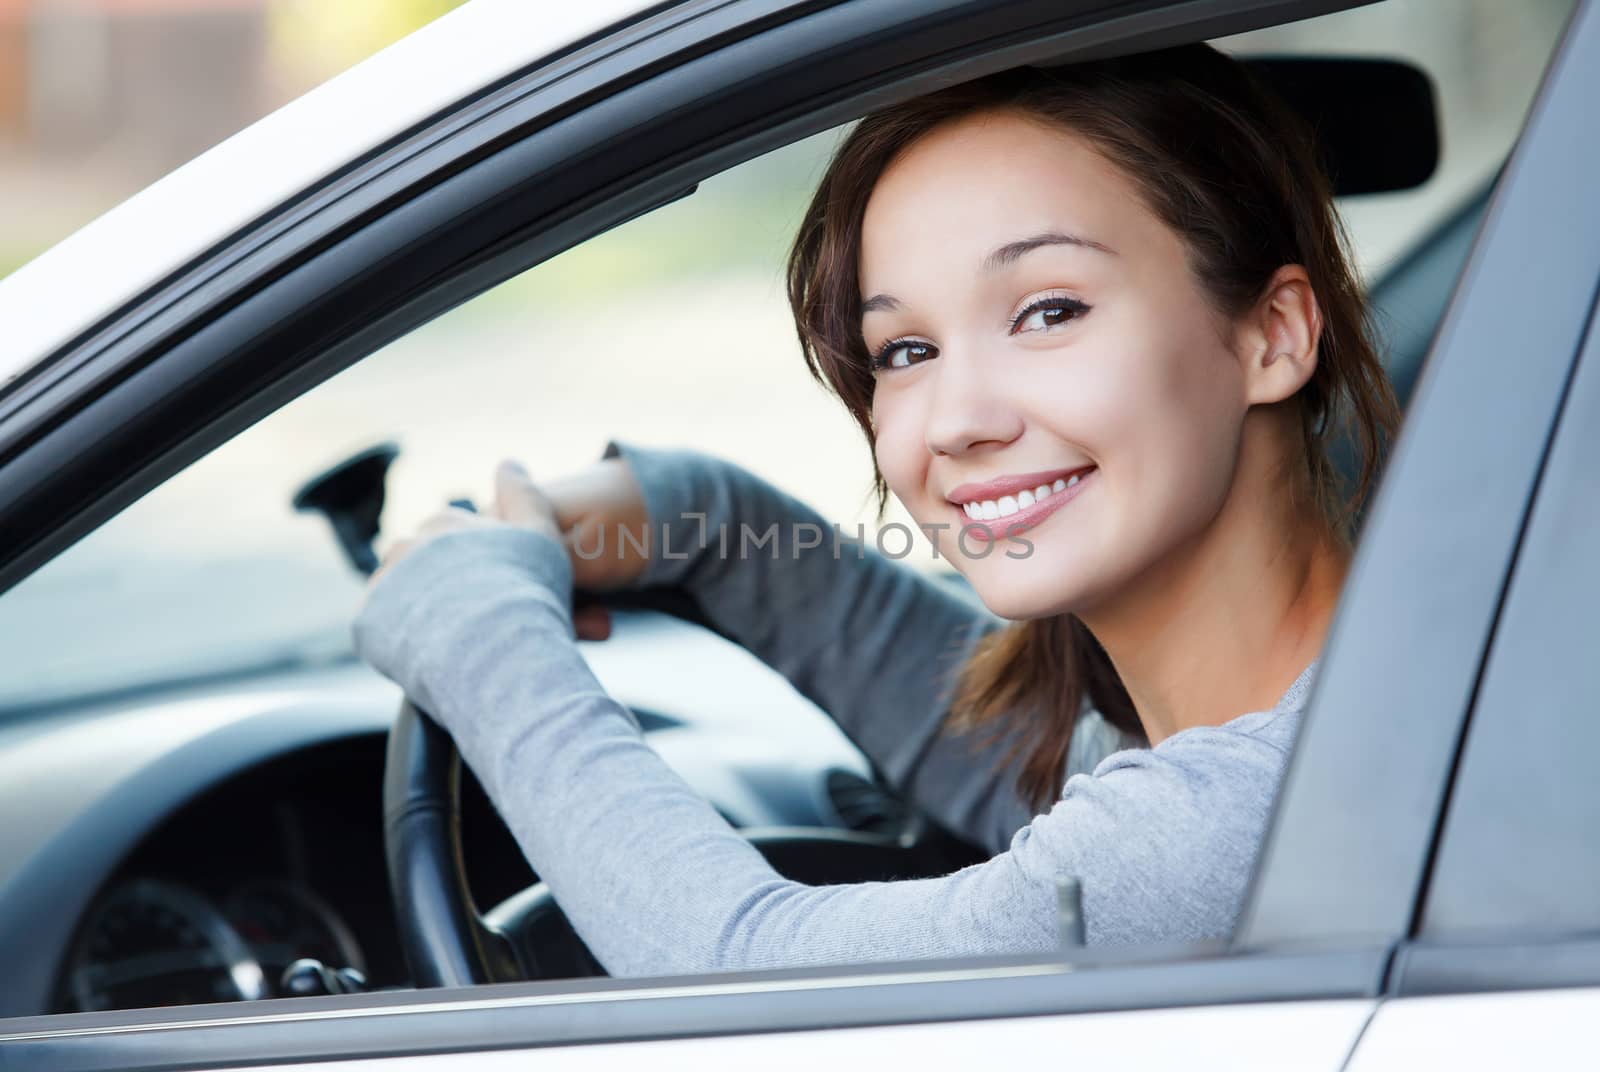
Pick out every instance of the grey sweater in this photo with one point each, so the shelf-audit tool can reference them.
(476, 627)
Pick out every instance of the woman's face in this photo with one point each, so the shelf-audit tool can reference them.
(1052, 379)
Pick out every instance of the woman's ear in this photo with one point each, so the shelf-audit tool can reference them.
(1278, 341)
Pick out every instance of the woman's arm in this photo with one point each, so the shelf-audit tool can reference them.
(871, 641)
(475, 626)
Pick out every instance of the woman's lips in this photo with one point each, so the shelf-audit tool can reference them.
(1025, 518)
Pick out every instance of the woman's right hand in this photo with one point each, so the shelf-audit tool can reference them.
(594, 508)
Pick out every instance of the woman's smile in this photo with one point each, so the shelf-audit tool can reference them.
(995, 509)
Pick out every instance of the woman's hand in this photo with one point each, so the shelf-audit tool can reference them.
(517, 502)
(594, 508)
(604, 524)
(587, 512)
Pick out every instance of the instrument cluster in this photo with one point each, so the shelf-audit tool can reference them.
(152, 942)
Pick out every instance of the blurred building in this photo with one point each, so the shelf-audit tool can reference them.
(163, 79)
(99, 98)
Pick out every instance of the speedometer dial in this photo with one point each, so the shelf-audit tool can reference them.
(284, 922)
(153, 943)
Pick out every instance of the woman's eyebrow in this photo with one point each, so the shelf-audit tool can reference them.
(1012, 252)
(1007, 254)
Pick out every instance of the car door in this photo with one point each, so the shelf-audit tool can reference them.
(1341, 874)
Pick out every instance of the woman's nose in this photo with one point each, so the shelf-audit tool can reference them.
(968, 407)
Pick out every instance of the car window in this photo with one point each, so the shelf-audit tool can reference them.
(1518, 857)
(669, 330)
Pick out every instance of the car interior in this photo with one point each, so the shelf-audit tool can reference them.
(218, 832)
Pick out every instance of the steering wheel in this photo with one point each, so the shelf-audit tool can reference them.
(445, 939)
(448, 942)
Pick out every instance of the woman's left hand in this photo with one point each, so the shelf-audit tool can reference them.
(518, 503)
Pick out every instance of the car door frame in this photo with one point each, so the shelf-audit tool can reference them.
(1503, 967)
(272, 334)
(1512, 797)
(1512, 944)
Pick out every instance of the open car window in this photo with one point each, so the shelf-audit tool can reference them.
(671, 330)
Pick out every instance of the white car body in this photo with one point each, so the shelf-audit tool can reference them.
(65, 291)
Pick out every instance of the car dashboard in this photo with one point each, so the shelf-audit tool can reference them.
(281, 862)
(188, 845)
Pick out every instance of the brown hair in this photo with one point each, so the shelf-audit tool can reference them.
(1232, 171)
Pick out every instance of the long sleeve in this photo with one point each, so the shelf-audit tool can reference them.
(475, 626)
(872, 641)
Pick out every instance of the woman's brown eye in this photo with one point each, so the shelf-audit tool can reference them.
(902, 355)
(910, 355)
(1049, 313)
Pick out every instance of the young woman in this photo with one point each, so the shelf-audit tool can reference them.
(1099, 328)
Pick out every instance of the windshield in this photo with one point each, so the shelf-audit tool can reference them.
(192, 582)
(671, 329)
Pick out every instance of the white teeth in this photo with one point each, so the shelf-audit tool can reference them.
(1005, 506)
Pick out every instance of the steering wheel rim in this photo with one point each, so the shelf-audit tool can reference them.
(446, 941)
